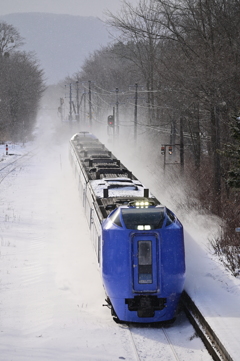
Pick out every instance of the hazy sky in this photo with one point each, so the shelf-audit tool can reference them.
(72, 7)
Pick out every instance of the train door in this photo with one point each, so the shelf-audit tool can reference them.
(145, 263)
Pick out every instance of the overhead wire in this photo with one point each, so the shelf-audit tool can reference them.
(103, 92)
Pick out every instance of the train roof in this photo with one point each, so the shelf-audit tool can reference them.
(119, 186)
(83, 136)
(112, 184)
(112, 193)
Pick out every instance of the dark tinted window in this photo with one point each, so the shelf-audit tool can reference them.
(143, 218)
(144, 262)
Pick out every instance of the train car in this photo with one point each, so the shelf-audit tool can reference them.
(138, 241)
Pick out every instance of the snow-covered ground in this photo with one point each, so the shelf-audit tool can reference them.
(215, 291)
(51, 293)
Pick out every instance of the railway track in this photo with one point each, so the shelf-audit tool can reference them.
(212, 343)
(153, 343)
(9, 167)
(157, 342)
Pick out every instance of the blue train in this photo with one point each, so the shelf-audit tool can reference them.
(138, 242)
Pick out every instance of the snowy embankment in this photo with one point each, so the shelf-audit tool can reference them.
(51, 292)
(214, 290)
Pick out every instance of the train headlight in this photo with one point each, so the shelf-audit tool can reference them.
(142, 204)
(145, 227)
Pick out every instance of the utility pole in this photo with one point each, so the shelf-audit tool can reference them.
(173, 136)
(60, 108)
(117, 113)
(70, 102)
(181, 145)
(135, 111)
(84, 107)
(77, 101)
(114, 121)
(90, 102)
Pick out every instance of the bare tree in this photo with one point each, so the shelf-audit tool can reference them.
(140, 31)
(21, 86)
(24, 89)
(206, 33)
(111, 77)
(10, 39)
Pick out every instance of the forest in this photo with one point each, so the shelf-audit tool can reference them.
(177, 64)
(21, 87)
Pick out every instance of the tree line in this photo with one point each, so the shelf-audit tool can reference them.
(21, 86)
(187, 56)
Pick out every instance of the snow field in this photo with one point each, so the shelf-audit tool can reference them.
(50, 284)
(51, 293)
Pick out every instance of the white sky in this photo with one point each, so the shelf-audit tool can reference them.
(72, 7)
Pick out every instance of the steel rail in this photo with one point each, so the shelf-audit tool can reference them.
(133, 344)
(16, 160)
(171, 345)
(212, 343)
(15, 164)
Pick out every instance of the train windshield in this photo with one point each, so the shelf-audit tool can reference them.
(143, 218)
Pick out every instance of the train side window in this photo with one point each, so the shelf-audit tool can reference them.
(115, 218)
(170, 217)
(145, 262)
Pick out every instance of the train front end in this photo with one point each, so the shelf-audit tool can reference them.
(143, 263)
